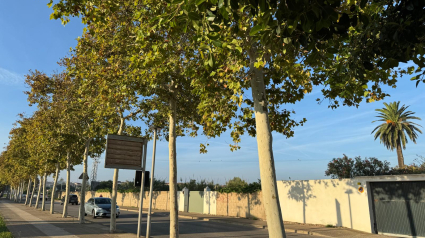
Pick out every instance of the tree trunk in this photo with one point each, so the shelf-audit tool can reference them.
(18, 192)
(113, 225)
(265, 152)
(38, 193)
(52, 202)
(400, 154)
(21, 190)
(28, 191)
(174, 219)
(33, 190)
(68, 176)
(43, 202)
(83, 184)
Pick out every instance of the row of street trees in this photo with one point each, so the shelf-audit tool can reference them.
(187, 66)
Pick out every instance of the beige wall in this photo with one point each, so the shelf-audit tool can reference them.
(210, 202)
(240, 205)
(331, 201)
(160, 199)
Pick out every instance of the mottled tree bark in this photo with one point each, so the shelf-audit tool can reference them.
(265, 152)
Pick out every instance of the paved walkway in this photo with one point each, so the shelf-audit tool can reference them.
(23, 221)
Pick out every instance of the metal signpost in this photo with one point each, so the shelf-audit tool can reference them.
(148, 225)
(142, 191)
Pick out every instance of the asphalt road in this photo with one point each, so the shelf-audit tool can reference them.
(127, 222)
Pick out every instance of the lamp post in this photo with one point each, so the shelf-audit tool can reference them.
(148, 225)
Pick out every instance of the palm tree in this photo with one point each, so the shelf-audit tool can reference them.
(396, 125)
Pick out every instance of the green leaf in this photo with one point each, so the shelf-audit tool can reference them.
(213, 36)
(204, 47)
(217, 43)
(210, 60)
(199, 2)
(194, 16)
(220, 3)
(255, 30)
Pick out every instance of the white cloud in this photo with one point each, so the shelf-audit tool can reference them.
(11, 78)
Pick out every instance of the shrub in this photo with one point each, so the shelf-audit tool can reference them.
(340, 168)
(348, 168)
(238, 185)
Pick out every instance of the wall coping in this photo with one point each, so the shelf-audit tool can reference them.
(399, 177)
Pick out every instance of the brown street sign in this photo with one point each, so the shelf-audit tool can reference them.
(124, 152)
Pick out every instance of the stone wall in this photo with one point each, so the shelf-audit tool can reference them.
(240, 205)
(160, 199)
(225, 204)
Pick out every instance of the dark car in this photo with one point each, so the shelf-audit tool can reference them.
(99, 207)
(42, 196)
(73, 199)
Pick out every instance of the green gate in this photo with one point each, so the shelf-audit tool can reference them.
(399, 207)
(196, 201)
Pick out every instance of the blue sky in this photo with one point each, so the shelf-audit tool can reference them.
(29, 41)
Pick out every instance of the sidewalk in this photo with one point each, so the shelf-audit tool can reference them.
(23, 221)
(290, 227)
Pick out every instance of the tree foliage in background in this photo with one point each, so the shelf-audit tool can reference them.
(348, 168)
(238, 185)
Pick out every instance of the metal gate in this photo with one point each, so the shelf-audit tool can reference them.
(196, 201)
(399, 207)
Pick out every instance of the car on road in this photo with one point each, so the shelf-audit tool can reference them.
(41, 197)
(99, 207)
(73, 199)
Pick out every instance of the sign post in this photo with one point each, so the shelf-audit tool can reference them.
(142, 191)
(148, 225)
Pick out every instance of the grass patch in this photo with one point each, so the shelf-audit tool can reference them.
(330, 226)
(4, 232)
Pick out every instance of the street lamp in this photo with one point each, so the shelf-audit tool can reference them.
(148, 225)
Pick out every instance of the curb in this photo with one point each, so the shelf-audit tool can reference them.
(305, 232)
(223, 221)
